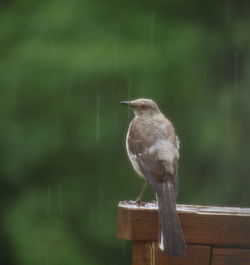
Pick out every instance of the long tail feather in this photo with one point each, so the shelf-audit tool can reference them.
(171, 237)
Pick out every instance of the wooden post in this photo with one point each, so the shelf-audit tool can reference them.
(214, 235)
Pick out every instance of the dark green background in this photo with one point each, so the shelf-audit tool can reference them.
(65, 65)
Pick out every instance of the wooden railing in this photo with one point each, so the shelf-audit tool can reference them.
(214, 235)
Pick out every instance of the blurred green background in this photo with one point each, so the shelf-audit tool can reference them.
(65, 65)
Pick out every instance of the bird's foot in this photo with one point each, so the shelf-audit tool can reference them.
(139, 202)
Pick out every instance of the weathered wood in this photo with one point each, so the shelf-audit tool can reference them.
(148, 253)
(213, 226)
(229, 256)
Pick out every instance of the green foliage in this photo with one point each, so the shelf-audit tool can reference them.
(65, 65)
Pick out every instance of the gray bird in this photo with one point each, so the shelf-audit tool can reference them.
(153, 149)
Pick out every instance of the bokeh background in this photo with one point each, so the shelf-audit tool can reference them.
(64, 67)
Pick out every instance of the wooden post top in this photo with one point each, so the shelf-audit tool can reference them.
(203, 225)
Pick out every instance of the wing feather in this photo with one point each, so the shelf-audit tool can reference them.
(155, 151)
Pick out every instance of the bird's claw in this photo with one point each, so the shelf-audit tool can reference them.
(139, 202)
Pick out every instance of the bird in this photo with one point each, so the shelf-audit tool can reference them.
(153, 150)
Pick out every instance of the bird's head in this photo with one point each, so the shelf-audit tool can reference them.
(142, 107)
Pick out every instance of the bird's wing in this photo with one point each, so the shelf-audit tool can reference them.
(154, 151)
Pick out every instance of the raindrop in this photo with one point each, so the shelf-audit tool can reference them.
(100, 197)
(33, 199)
(203, 90)
(129, 87)
(115, 53)
(60, 200)
(113, 89)
(152, 32)
(129, 93)
(98, 115)
(48, 201)
(66, 103)
(47, 256)
(236, 64)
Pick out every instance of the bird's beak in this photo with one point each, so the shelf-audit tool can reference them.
(126, 103)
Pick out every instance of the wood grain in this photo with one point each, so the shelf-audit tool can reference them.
(148, 253)
(213, 226)
(229, 256)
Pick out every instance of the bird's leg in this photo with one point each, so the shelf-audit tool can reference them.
(138, 199)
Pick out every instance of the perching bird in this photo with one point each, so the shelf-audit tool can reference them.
(153, 149)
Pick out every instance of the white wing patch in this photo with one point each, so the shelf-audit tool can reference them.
(166, 150)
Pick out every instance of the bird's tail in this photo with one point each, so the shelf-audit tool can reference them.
(171, 237)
